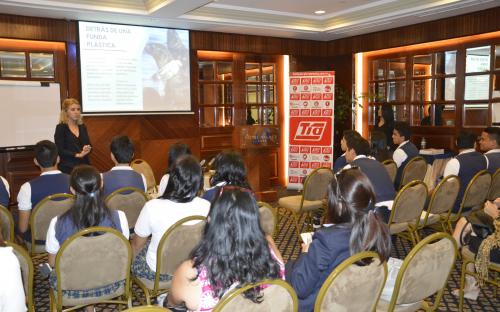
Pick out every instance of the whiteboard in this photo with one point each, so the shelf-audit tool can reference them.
(29, 112)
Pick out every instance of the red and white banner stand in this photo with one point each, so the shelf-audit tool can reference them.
(311, 124)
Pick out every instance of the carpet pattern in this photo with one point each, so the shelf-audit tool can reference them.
(287, 242)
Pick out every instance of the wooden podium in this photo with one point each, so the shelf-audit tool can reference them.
(255, 143)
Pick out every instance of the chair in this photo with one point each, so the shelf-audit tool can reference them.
(27, 273)
(103, 259)
(174, 248)
(278, 296)
(415, 169)
(469, 257)
(391, 167)
(148, 308)
(141, 166)
(6, 224)
(474, 196)
(130, 200)
(341, 290)
(442, 200)
(424, 272)
(494, 192)
(268, 218)
(407, 209)
(48, 208)
(312, 198)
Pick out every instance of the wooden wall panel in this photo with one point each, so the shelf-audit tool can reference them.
(202, 40)
(452, 27)
(35, 28)
(152, 135)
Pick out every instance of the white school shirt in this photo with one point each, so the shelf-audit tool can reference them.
(24, 195)
(399, 156)
(11, 285)
(163, 184)
(159, 214)
(52, 245)
(453, 165)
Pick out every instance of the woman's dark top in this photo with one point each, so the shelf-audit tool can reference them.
(68, 145)
(330, 246)
(387, 130)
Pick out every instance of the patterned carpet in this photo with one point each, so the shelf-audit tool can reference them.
(286, 240)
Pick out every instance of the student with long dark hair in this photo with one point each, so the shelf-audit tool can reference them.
(229, 170)
(175, 151)
(378, 145)
(355, 228)
(385, 123)
(179, 200)
(234, 252)
(87, 211)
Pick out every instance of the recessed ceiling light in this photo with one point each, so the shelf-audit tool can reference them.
(319, 12)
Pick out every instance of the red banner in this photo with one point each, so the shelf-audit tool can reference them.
(311, 124)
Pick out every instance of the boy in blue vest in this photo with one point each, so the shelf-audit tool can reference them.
(489, 143)
(4, 192)
(405, 151)
(465, 165)
(51, 181)
(347, 135)
(357, 153)
(122, 175)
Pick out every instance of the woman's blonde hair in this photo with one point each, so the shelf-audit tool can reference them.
(63, 116)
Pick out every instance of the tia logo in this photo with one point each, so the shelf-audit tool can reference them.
(310, 130)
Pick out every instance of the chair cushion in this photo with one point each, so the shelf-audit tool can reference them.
(433, 218)
(410, 307)
(398, 227)
(293, 203)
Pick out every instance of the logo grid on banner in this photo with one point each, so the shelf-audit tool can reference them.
(311, 124)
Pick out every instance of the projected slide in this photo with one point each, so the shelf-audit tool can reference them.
(133, 69)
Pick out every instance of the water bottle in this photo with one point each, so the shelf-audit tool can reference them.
(423, 143)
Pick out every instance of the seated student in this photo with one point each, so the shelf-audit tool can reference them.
(347, 135)
(177, 202)
(466, 233)
(355, 228)
(122, 175)
(4, 192)
(489, 143)
(233, 252)
(11, 288)
(378, 146)
(51, 181)
(356, 155)
(87, 211)
(405, 151)
(175, 151)
(465, 165)
(229, 170)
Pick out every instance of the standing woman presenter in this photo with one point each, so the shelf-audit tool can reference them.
(71, 137)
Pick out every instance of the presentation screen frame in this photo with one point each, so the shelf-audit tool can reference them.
(189, 107)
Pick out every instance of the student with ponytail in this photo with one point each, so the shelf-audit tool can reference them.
(87, 211)
(354, 228)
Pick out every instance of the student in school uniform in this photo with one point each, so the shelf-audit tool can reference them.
(122, 175)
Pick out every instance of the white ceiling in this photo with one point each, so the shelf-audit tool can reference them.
(285, 18)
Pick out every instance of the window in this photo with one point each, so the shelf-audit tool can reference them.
(260, 99)
(215, 93)
(13, 65)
